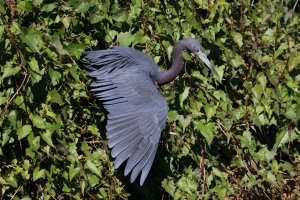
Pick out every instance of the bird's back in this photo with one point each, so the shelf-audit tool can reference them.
(125, 55)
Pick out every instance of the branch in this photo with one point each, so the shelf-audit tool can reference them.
(295, 5)
(15, 94)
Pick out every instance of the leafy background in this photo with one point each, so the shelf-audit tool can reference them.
(233, 137)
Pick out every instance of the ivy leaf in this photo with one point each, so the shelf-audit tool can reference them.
(245, 139)
(5, 137)
(279, 51)
(55, 76)
(73, 171)
(257, 91)
(10, 71)
(206, 131)
(184, 95)
(49, 7)
(35, 72)
(294, 60)
(184, 122)
(91, 166)
(268, 36)
(76, 49)
(94, 130)
(38, 121)
(47, 137)
(237, 61)
(284, 137)
(33, 39)
(37, 173)
(210, 111)
(81, 6)
(125, 38)
(24, 131)
(237, 38)
(55, 97)
(271, 178)
(191, 18)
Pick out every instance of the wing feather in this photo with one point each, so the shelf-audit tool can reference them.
(137, 110)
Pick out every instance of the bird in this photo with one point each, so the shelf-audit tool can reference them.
(126, 82)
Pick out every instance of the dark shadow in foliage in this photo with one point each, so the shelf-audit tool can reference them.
(39, 92)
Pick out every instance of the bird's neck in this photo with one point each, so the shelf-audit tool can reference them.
(177, 65)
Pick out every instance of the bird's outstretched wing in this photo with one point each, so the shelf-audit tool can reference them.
(137, 110)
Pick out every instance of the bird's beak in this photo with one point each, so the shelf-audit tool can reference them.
(203, 57)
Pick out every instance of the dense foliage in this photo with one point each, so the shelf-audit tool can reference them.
(233, 136)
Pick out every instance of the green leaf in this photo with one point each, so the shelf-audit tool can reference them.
(270, 155)
(139, 37)
(271, 178)
(35, 72)
(284, 137)
(33, 39)
(55, 97)
(169, 186)
(76, 49)
(94, 130)
(81, 6)
(73, 72)
(191, 18)
(210, 111)
(279, 51)
(24, 131)
(35, 143)
(38, 121)
(37, 173)
(5, 137)
(237, 61)
(218, 173)
(49, 7)
(55, 76)
(262, 79)
(237, 38)
(291, 114)
(73, 171)
(184, 122)
(269, 36)
(56, 43)
(10, 71)
(184, 95)
(47, 137)
(294, 60)
(91, 166)
(206, 131)
(125, 38)
(245, 139)
(257, 91)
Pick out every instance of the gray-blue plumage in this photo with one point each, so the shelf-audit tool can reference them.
(125, 83)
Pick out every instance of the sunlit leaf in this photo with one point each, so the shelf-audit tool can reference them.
(75, 49)
(294, 60)
(91, 166)
(10, 71)
(237, 38)
(206, 131)
(24, 131)
(125, 38)
(184, 95)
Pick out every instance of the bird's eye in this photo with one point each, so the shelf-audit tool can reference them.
(197, 50)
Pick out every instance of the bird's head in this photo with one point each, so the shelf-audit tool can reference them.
(194, 46)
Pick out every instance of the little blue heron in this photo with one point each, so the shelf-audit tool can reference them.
(137, 112)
